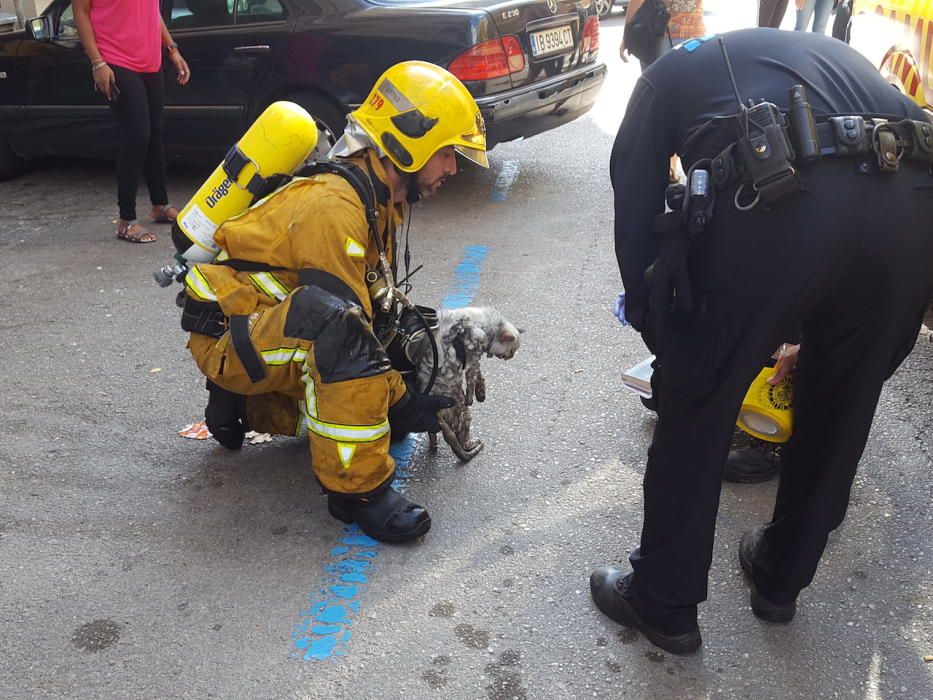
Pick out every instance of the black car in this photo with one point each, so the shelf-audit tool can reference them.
(604, 7)
(531, 65)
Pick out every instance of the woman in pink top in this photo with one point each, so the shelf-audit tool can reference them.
(124, 40)
(686, 22)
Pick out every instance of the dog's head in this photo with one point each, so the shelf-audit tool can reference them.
(505, 342)
(498, 337)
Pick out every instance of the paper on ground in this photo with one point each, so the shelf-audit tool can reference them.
(195, 431)
(199, 431)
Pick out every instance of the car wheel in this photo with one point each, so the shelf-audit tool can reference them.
(329, 119)
(603, 7)
(10, 163)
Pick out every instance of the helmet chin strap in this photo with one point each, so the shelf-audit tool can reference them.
(414, 192)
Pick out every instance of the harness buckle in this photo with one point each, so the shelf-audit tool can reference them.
(202, 317)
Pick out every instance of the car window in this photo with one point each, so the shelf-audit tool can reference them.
(258, 11)
(66, 24)
(187, 14)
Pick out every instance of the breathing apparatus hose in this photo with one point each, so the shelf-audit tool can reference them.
(368, 197)
(434, 351)
(396, 293)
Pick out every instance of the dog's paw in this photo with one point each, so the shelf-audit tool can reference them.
(473, 447)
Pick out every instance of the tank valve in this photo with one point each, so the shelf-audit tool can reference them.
(167, 274)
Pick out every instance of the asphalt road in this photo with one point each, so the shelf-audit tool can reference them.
(138, 564)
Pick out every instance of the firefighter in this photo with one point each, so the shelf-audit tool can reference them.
(810, 213)
(282, 321)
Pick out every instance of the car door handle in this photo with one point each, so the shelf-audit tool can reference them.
(258, 48)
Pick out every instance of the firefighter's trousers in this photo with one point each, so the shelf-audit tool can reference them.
(345, 421)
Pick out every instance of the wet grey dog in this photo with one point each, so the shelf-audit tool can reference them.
(463, 337)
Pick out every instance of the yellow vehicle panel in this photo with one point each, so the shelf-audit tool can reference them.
(897, 36)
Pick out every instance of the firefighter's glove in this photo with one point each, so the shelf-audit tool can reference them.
(417, 413)
(668, 277)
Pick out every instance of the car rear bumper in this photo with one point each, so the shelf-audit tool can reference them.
(529, 110)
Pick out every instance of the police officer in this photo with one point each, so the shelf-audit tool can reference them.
(832, 238)
(288, 346)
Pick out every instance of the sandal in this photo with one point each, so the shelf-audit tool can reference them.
(134, 233)
(166, 214)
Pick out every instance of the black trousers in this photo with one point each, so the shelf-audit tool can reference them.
(771, 13)
(851, 262)
(138, 109)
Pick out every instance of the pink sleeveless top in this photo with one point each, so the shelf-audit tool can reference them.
(128, 33)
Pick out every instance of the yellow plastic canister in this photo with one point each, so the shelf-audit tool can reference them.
(767, 412)
(277, 143)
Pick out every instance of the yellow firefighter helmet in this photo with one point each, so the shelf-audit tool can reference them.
(416, 109)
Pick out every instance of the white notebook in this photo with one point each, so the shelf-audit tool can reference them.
(638, 378)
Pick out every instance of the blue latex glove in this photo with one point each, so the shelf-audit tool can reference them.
(619, 310)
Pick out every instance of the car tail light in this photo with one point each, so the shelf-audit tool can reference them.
(590, 41)
(513, 49)
(491, 59)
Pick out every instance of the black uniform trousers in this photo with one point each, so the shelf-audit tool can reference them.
(850, 262)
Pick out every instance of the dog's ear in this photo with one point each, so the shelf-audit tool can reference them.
(454, 338)
(506, 336)
(456, 330)
(521, 331)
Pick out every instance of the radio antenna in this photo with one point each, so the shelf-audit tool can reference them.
(735, 87)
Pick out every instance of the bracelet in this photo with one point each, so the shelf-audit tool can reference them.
(97, 65)
(172, 47)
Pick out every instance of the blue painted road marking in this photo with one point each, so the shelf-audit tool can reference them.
(466, 278)
(326, 625)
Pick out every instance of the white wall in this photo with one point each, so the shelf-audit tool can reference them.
(24, 8)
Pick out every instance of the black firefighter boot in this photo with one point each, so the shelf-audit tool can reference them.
(225, 416)
(751, 460)
(386, 516)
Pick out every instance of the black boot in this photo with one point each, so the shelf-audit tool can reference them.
(751, 460)
(386, 516)
(761, 606)
(225, 416)
(609, 588)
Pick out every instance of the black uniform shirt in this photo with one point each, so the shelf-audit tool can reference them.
(687, 87)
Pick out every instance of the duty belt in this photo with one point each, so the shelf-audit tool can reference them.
(876, 144)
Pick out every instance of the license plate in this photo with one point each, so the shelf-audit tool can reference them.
(549, 41)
